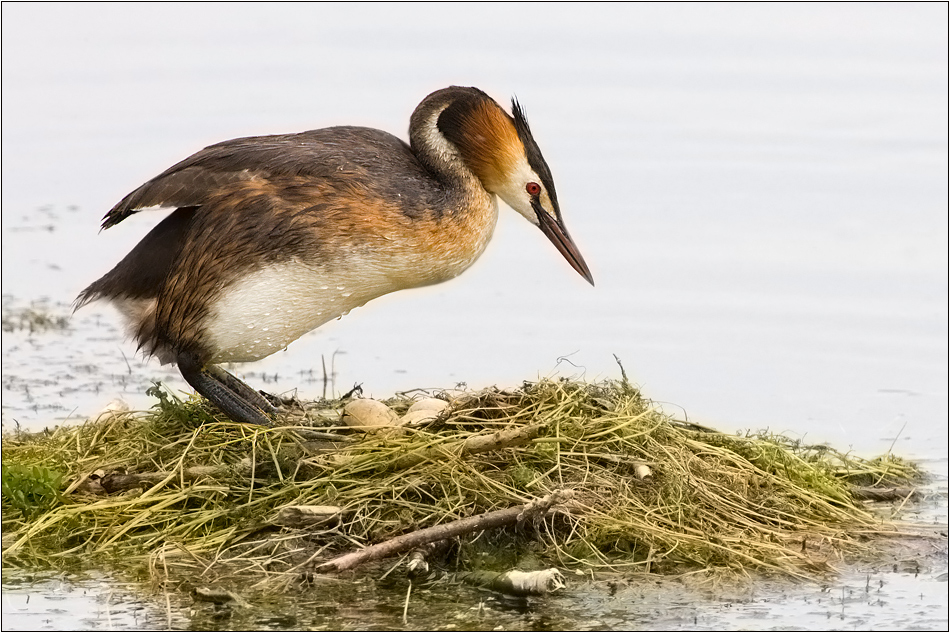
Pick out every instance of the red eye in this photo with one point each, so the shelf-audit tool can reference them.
(533, 189)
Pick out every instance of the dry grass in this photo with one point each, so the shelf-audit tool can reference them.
(714, 501)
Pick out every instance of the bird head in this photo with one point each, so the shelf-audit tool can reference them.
(501, 151)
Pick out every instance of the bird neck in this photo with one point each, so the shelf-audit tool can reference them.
(440, 157)
(465, 138)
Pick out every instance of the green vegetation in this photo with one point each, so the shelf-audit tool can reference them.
(31, 490)
(182, 492)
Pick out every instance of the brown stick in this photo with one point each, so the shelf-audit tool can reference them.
(477, 444)
(119, 481)
(869, 493)
(303, 517)
(486, 521)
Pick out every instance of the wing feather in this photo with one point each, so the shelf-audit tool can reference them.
(317, 154)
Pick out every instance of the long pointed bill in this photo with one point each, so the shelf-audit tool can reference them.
(559, 237)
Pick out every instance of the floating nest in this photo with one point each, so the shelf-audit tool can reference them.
(182, 493)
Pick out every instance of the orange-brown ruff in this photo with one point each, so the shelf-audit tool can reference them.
(273, 236)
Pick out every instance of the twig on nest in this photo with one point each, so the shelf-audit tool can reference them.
(115, 482)
(486, 521)
(869, 493)
(507, 438)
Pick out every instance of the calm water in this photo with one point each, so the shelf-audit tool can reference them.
(760, 191)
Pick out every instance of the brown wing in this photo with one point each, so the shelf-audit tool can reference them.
(317, 154)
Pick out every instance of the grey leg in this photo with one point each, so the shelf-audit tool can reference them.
(241, 388)
(238, 401)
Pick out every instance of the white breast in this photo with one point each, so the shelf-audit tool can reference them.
(269, 309)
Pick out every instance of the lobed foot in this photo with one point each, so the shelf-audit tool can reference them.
(233, 396)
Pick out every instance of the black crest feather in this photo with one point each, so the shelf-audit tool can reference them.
(533, 152)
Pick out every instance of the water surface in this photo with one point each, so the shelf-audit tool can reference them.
(760, 192)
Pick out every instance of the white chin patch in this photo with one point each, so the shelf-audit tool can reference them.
(514, 194)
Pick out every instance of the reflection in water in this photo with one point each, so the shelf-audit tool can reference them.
(856, 600)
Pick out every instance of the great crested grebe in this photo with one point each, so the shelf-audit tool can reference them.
(273, 236)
